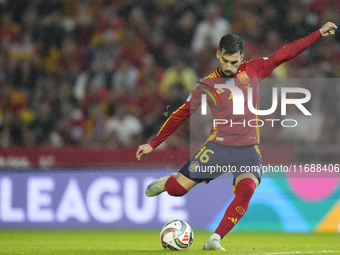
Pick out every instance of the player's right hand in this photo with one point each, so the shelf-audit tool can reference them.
(328, 29)
(143, 150)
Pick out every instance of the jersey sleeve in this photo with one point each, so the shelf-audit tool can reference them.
(177, 118)
(265, 66)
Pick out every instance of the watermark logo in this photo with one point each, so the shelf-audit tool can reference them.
(238, 100)
(214, 90)
(204, 97)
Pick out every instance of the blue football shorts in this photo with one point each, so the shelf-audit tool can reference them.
(213, 159)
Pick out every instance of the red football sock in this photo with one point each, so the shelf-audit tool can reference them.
(238, 207)
(173, 187)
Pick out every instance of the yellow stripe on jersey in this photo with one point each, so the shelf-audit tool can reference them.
(212, 136)
(218, 73)
(208, 77)
(169, 118)
(212, 75)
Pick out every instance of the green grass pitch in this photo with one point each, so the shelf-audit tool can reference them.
(147, 242)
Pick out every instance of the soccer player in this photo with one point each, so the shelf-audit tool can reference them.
(228, 145)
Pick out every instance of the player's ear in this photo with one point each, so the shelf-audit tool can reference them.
(218, 54)
(242, 57)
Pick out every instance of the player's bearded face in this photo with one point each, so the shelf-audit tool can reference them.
(229, 64)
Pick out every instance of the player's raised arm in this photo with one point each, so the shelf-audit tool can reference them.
(328, 29)
(265, 66)
(172, 123)
(169, 127)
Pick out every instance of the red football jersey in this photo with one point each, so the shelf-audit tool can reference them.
(236, 132)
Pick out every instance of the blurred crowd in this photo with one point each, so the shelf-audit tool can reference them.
(110, 72)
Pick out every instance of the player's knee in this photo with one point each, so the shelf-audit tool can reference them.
(245, 188)
(174, 188)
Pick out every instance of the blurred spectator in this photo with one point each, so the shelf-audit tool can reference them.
(111, 140)
(271, 18)
(125, 125)
(69, 128)
(294, 25)
(125, 77)
(25, 76)
(67, 67)
(157, 46)
(147, 98)
(132, 49)
(51, 33)
(179, 73)
(12, 129)
(183, 30)
(321, 8)
(94, 124)
(210, 30)
(43, 125)
(8, 28)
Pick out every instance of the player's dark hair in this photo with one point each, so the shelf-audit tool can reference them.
(231, 44)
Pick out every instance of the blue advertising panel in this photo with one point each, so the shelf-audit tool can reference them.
(102, 199)
(115, 199)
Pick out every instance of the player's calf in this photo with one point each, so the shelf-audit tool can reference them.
(238, 207)
(167, 183)
(174, 188)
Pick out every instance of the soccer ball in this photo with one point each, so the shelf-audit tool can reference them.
(177, 235)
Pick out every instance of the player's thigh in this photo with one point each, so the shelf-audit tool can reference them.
(247, 175)
(202, 165)
(185, 181)
(249, 164)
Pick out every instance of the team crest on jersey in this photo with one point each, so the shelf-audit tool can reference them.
(243, 77)
(193, 167)
(240, 210)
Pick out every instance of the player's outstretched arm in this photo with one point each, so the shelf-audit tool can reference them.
(328, 29)
(143, 150)
(265, 66)
(169, 127)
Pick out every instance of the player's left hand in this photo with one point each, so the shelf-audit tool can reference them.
(328, 29)
(143, 150)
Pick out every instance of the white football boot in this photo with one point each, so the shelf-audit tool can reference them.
(157, 187)
(213, 243)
